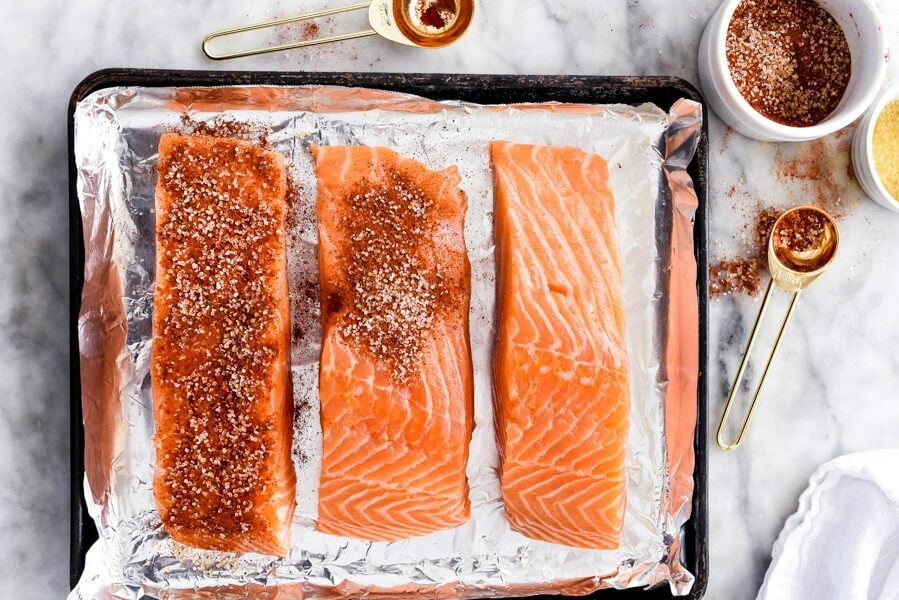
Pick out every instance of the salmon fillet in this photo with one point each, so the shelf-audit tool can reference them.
(221, 397)
(560, 359)
(396, 381)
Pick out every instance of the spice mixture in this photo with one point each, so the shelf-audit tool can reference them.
(394, 292)
(744, 275)
(219, 251)
(789, 59)
(310, 30)
(734, 275)
(886, 148)
(803, 231)
(224, 127)
(820, 173)
(800, 231)
(434, 15)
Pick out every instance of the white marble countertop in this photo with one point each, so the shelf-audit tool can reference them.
(832, 391)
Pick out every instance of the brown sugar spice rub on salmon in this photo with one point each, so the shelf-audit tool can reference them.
(221, 332)
(396, 381)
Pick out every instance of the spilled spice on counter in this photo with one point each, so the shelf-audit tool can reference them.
(789, 59)
(736, 275)
(310, 30)
(435, 14)
(301, 31)
(744, 275)
(823, 168)
(817, 173)
(725, 140)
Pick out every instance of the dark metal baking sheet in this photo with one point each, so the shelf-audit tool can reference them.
(482, 89)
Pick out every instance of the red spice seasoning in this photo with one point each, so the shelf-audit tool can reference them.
(735, 275)
(310, 30)
(803, 241)
(435, 14)
(304, 293)
(393, 291)
(789, 59)
(225, 127)
(744, 275)
(800, 231)
(823, 169)
(221, 238)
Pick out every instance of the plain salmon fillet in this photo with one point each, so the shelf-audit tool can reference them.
(221, 394)
(395, 382)
(560, 359)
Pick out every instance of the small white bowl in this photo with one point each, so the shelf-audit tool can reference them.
(861, 22)
(863, 153)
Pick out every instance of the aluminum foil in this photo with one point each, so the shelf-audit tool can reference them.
(116, 137)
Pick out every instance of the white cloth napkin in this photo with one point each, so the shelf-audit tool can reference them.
(843, 542)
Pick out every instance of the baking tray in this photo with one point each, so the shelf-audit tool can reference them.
(482, 89)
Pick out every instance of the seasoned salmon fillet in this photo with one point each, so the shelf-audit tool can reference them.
(396, 380)
(560, 358)
(221, 394)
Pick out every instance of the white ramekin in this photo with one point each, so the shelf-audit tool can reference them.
(863, 153)
(864, 28)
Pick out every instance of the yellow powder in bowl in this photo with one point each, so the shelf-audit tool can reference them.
(886, 148)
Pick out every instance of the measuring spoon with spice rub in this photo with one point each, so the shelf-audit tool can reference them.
(422, 23)
(802, 245)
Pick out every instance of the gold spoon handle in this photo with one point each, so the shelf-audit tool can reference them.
(742, 370)
(275, 23)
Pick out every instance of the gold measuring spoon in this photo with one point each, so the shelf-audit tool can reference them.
(802, 245)
(422, 23)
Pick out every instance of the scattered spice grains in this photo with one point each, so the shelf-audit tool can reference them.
(764, 222)
(301, 31)
(736, 275)
(789, 59)
(393, 292)
(310, 30)
(823, 169)
(205, 561)
(224, 127)
(744, 275)
(818, 173)
(303, 416)
(299, 213)
(218, 127)
(221, 248)
(305, 303)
